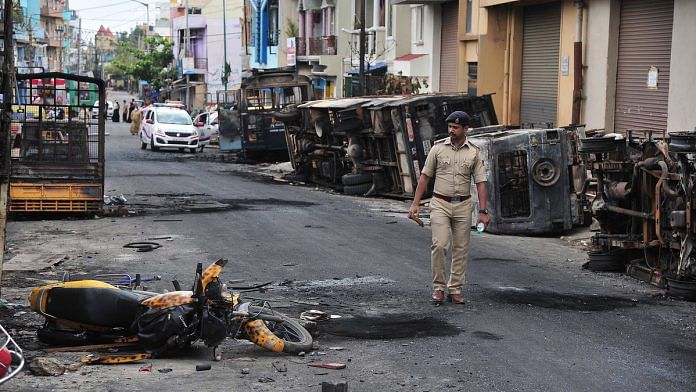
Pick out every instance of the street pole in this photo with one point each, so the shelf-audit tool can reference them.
(8, 56)
(79, 45)
(361, 74)
(187, 43)
(224, 45)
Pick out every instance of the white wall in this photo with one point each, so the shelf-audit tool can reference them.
(432, 28)
(682, 81)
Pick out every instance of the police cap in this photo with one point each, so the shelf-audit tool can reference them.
(458, 117)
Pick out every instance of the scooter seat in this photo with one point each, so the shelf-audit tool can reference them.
(103, 307)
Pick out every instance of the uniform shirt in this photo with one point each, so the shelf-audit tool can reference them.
(454, 167)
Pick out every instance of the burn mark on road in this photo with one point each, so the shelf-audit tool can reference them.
(159, 204)
(560, 301)
(393, 326)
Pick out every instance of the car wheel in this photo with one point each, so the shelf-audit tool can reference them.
(152, 145)
(193, 150)
(202, 147)
(143, 145)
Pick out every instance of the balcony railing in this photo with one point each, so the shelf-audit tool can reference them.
(318, 46)
(200, 63)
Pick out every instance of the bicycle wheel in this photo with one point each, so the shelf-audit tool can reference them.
(294, 337)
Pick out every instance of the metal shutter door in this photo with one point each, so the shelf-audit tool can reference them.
(645, 40)
(449, 51)
(540, 50)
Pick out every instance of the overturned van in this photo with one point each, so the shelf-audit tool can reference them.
(377, 145)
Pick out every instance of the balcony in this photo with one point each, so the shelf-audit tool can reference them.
(318, 46)
(52, 12)
(200, 63)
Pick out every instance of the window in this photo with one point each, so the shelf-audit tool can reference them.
(418, 20)
(469, 15)
(472, 78)
(328, 21)
(273, 29)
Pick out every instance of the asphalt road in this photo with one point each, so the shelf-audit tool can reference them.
(534, 321)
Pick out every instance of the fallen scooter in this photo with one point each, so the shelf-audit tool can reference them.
(88, 312)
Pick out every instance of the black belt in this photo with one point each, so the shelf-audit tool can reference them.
(451, 199)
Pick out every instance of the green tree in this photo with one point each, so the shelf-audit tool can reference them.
(153, 64)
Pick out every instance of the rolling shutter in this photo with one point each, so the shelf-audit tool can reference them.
(540, 50)
(645, 41)
(449, 50)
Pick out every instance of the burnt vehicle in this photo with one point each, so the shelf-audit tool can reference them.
(57, 150)
(246, 122)
(645, 207)
(377, 145)
(531, 187)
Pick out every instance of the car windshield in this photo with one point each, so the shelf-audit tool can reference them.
(174, 117)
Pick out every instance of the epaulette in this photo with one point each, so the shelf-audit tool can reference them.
(473, 145)
(441, 140)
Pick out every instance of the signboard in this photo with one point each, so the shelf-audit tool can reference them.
(292, 51)
(187, 64)
(652, 78)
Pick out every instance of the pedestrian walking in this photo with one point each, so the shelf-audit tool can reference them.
(125, 111)
(116, 116)
(135, 124)
(454, 162)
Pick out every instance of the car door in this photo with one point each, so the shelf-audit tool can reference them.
(147, 126)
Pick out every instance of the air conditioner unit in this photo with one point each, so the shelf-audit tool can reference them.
(60, 28)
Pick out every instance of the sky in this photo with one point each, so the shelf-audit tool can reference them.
(117, 15)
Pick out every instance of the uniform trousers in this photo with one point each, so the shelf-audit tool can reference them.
(450, 218)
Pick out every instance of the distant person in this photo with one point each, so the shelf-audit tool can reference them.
(135, 121)
(125, 111)
(131, 108)
(115, 117)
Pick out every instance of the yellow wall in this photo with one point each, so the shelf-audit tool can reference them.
(500, 60)
(492, 44)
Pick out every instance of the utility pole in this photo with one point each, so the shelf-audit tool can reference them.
(361, 74)
(79, 45)
(8, 72)
(187, 43)
(224, 46)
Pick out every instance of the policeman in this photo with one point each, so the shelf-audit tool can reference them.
(453, 161)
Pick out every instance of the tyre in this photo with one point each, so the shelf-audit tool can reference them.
(359, 189)
(152, 144)
(294, 336)
(143, 146)
(202, 147)
(355, 179)
(606, 262)
(182, 149)
(193, 150)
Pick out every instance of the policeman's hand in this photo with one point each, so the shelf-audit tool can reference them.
(483, 218)
(413, 211)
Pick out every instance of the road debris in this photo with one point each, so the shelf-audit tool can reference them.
(330, 365)
(265, 379)
(203, 366)
(245, 370)
(314, 315)
(334, 387)
(337, 348)
(146, 368)
(44, 366)
(164, 370)
(33, 262)
(280, 367)
(144, 246)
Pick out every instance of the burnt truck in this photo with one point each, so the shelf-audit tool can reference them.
(246, 122)
(378, 145)
(644, 203)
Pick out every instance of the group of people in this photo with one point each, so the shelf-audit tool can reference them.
(128, 109)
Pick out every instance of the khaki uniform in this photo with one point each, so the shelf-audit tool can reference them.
(453, 170)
